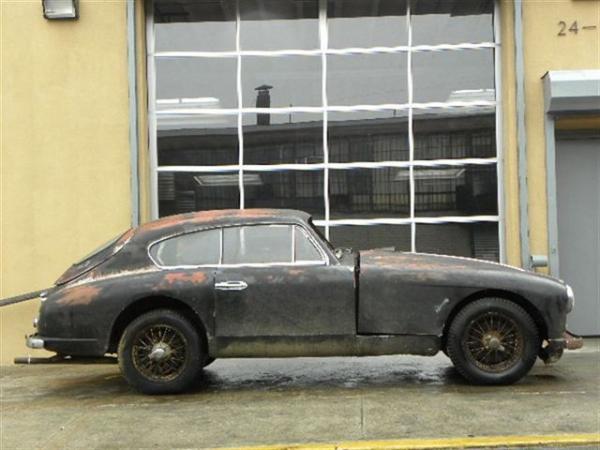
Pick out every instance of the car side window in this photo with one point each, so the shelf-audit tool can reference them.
(193, 249)
(257, 244)
(304, 248)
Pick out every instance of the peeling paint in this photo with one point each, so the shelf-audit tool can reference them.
(78, 295)
(441, 306)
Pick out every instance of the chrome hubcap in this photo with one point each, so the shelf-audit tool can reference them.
(493, 342)
(159, 352)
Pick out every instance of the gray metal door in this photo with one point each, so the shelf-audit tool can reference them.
(578, 203)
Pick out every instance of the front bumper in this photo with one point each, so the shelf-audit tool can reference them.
(555, 348)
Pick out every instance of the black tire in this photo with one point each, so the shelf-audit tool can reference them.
(208, 361)
(160, 352)
(493, 341)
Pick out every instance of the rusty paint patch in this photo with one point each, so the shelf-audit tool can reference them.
(79, 295)
(183, 277)
(407, 262)
(171, 279)
(99, 276)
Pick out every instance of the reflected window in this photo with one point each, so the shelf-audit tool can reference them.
(257, 244)
(471, 240)
(368, 136)
(293, 189)
(369, 193)
(180, 192)
(455, 134)
(371, 237)
(279, 139)
(193, 249)
(456, 191)
(197, 140)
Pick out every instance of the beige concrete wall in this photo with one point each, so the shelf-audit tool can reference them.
(509, 135)
(65, 168)
(544, 51)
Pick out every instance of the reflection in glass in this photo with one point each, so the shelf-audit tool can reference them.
(452, 22)
(197, 140)
(368, 136)
(294, 189)
(304, 249)
(368, 193)
(368, 237)
(191, 249)
(359, 23)
(456, 191)
(462, 75)
(457, 133)
(257, 244)
(279, 24)
(366, 79)
(281, 81)
(180, 192)
(283, 143)
(192, 25)
(472, 240)
(197, 82)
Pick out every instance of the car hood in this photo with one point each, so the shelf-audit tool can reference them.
(425, 262)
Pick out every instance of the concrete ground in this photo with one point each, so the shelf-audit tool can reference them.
(259, 402)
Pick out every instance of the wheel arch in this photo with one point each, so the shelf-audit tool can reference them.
(147, 304)
(524, 303)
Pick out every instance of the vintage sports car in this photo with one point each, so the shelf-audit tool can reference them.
(172, 295)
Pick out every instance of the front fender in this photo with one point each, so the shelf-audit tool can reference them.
(406, 297)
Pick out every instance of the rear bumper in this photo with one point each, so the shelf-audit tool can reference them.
(65, 346)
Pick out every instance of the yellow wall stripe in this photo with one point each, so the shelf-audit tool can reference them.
(561, 440)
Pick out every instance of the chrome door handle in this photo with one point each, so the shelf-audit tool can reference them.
(231, 285)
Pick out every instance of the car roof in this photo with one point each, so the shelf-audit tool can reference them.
(187, 222)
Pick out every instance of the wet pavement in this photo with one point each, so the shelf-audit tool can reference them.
(259, 402)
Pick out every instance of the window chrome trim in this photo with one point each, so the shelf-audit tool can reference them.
(325, 261)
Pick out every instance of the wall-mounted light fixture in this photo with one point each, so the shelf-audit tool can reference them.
(61, 9)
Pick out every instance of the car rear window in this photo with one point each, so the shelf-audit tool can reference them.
(96, 257)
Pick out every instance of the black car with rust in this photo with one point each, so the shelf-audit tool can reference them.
(172, 295)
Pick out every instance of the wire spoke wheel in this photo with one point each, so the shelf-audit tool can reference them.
(493, 342)
(159, 352)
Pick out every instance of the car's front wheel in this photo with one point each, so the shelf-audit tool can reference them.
(160, 352)
(493, 341)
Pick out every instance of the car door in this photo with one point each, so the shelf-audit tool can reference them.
(276, 281)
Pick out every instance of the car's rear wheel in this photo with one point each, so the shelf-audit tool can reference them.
(160, 352)
(493, 341)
